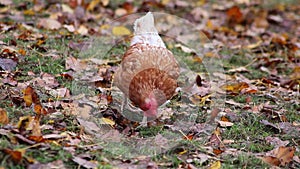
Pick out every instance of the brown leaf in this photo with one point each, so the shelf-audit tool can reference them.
(236, 87)
(49, 23)
(14, 154)
(234, 15)
(295, 75)
(37, 139)
(30, 96)
(25, 123)
(36, 129)
(280, 156)
(3, 117)
(75, 64)
(218, 151)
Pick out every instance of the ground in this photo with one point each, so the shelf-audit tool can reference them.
(238, 106)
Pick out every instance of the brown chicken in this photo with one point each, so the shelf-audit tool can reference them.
(148, 72)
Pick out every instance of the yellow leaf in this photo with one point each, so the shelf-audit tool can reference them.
(165, 2)
(215, 165)
(182, 152)
(201, 2)
(107, 121)
(254, 45)
(236, 87)
(210, 25)
(120, 31)
(105, 26)
(93, 4)
(210, 54)
(29, 12)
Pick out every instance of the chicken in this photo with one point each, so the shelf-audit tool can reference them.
(148, 72)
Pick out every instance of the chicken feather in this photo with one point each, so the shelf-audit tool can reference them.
(148, 72)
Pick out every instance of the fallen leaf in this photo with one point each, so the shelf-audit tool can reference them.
(280, 156)
(225, 123)
(236, 87)
(215, 165)
(52, 165)
(120, 31)
(295, 75)
(16, 155)
(184, 48)
(3, 117)
(83, 30)
(30, 96)
(36, 129)
(7, 64)
(49, 23)
(238, 70)
(85, 163)
(25, 123)
(104, 120)
(6, 2)
(276, 141)
(234, 15)
(74, 64)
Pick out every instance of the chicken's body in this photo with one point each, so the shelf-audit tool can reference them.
(148, 72)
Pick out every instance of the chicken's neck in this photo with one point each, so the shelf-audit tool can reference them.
(150, 105)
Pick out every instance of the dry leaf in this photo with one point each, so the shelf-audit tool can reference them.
(236, 87)
(225, 123)
(215, 165)
(83, 30)
(16, 155)
(234, 15)
(104, 120)
(49, 23)
(120, 31)
(25, 123)
(93, 4)
(36, 129)
(280, 156)
(3, 117)
(85, 163)
(30, 96)
(7, 64)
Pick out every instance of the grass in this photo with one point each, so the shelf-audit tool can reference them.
(247, 132)
(243, 161)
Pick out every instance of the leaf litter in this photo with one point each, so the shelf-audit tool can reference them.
(43, 106)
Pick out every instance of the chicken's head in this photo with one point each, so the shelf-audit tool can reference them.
(149, 106)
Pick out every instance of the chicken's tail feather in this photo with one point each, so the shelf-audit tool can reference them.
(145, 32)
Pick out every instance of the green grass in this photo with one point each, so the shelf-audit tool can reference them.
(248, 133)
(243, 161)
(150, 131)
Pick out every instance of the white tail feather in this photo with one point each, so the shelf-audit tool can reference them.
(145, 32)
